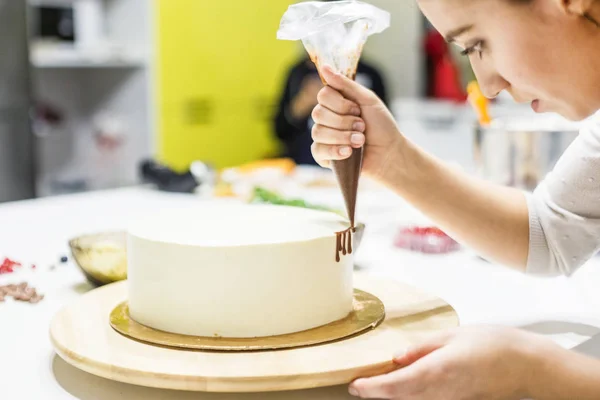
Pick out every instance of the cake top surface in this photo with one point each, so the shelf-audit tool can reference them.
(216, 225)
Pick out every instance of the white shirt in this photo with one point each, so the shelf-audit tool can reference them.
(564, 210)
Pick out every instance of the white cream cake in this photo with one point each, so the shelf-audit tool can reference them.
(238, 271)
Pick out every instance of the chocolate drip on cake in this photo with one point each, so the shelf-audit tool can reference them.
(344, 242)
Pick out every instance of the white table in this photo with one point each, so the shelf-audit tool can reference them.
(37, 232)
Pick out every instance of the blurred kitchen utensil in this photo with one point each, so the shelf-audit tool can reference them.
(517, 148)
(102, 257)
(519, 151)
(425, 239)
(167, 179)
(358, 235)
(479, 102)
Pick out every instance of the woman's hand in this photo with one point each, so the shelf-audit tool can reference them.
(349, 116)
(490, 219)
(471, 363)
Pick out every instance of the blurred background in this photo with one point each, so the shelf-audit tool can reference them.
(98, 94)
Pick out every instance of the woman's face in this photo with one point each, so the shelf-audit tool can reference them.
(539, 51)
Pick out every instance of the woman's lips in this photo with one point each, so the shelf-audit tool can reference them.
(535, 105)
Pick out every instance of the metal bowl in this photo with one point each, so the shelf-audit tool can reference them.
(519, 151)
(358, 235)
(101, 257)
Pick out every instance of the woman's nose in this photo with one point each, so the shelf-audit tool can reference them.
(491, 82)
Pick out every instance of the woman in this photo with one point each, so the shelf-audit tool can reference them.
(546, 52)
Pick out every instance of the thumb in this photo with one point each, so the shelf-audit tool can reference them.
(415, 353)
(347, 87)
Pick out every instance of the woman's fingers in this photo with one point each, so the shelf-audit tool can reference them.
(338, 127)
(334, 101)
(332, 144)
(325, 135)
(323, 153)
(393, 385)
(348, 88)
(428, 346)
(409, 383)
(324, 116)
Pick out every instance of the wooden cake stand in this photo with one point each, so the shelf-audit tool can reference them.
(82, 335)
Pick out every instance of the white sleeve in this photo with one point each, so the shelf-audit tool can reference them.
(564, 211)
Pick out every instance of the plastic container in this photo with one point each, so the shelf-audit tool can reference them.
(428, 240)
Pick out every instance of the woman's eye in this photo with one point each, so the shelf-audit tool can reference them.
(476, 48)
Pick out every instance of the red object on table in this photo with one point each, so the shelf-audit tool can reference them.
(428, 240)
(8, 266)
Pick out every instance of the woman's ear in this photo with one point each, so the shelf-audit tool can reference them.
(589, 9)
(579, 7)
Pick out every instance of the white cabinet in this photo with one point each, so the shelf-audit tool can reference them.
(101, 86)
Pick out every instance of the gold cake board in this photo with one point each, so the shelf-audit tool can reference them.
(367, 313)
(83, 336)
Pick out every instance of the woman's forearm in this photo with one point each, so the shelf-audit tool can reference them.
(566, 375)
(491, 219)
